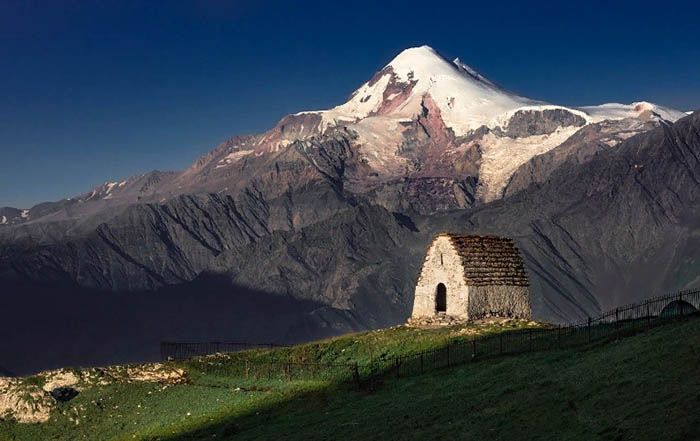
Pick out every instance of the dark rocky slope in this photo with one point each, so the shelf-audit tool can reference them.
(621, 225)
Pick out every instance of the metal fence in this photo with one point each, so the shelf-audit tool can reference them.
(176, 351)
(620, 322)
(623, 321)
(279, 370)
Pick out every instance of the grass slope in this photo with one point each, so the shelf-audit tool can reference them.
(643, 387)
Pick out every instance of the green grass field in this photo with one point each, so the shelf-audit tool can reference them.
(641, 387)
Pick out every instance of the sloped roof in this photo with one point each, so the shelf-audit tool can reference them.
(489, 260)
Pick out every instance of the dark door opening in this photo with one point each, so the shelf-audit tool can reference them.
(441, 298)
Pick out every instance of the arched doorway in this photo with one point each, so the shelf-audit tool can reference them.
(441, 298)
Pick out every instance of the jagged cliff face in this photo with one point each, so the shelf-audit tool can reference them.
(336, 207)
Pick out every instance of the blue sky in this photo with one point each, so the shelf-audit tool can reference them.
(99, 91)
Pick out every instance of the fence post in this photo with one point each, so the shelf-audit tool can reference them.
(247, 368)
(617, 323)
(559, 336)
(398, 366)
(589, 329)
(648, 316)
(356, 374)
(474, 348)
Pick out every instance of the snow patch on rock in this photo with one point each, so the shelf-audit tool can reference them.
(616, 111)
(109, 186)
(501, 157)
(380, 138)
(366, 100)
(233, 157)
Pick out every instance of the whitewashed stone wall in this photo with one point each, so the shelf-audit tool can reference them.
(448, 271)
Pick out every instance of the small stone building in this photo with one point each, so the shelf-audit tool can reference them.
(470, 277)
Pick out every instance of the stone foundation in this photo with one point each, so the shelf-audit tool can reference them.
(435, 321)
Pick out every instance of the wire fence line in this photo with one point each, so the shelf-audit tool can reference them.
(276, 370)
(176, 351)
(619, 322)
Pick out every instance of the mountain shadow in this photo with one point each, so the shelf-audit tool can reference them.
(67, 325)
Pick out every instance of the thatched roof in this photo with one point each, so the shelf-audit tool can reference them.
(489, 260)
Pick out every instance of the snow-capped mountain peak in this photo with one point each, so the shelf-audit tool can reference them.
(424, 63)
(465, 98)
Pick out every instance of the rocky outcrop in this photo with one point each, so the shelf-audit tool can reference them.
(423, 196)
(539, 122)
(333, 156)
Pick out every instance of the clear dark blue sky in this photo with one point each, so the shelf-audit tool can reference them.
(99, 90)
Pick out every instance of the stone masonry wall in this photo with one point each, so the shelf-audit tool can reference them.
(448, 271)
(499, 300)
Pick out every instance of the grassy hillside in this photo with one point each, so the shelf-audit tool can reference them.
(643, 387)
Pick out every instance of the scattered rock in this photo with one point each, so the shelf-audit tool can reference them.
(156, 372)
(26, 403)
(58, 379)
(30, 400)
